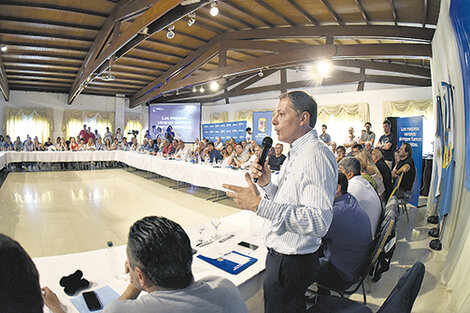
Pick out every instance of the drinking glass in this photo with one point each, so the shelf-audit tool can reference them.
(216, 221)
(201, 225)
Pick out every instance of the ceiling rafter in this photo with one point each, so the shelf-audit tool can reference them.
(425, 12)
(54, 7)
(48, 23)
(330, 8)
(276, 12)
(248, 12)
(4, 81)
(394, 11)
(208, 17)
(302, 11)
(363, 11)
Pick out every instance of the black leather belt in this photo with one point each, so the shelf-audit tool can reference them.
(274, 252)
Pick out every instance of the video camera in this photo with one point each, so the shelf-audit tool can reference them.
(133, 132)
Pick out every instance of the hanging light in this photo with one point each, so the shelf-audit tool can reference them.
(214, 86)
(214, 11)
(4, 48)
(194, 89)
(170, 34)
(323, 67)
(260, 74)
(202, 89)
(192, 19)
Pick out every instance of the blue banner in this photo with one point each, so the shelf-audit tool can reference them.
(410, 130)
(225, 131)
(262, 125)
(460, 17)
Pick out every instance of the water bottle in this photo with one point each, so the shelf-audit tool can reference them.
(114, 265)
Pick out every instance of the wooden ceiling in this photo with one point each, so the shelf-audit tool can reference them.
(67, 46)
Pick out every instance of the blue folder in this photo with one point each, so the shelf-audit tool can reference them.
(227, 265)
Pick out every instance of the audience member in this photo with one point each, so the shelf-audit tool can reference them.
(212, 154)
(118, 135)
(170, 134)
(82, 146)
(388, 142)
(249, 134)
(350, 140)
(368, 146)
(368, 136)
(324, 136)
(134, 146)
(97, 135)
(406, 165)
(355, 149)
(90, 145)
(28, 145)
(124, 144)
(347, 244)
(276, 160)
(90, 135)
(115, 144)
(18, 145)
(167, 147)
(184, 151)
(240, 157)
(377, 156)
(83, 133)
(8, 145)
(228, 154)
(156, 132)
(362, 190)
(37, 146)
(107, 144)
(151, 147)
(99, 146)
(340, 153)
(159, 142)
(219, 145)
(196, 145)
(108, 135)
(370, 172)
(48, 143)
(333, 147)
(144, 144)
(252, 159)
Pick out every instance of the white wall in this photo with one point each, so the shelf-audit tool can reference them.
(58, 103)
(375, 98)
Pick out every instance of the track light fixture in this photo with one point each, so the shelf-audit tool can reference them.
(214, 11)
(192, 19)
(260, 74)
(170, 34)
(194, 89)
(202, 89)
(4, 48)
(107, 76)
(214, 86)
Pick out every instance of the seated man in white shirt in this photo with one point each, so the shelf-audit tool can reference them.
(218, 145)
(362, 190)
(184, 152)
(253, 158)
(240, 157)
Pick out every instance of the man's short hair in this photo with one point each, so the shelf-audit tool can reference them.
(302, 102)
(248, 129)
(324, 126)
(280, 144)
(162, 250)
(378, 150)
(341, 148)
(358, 146)
(368, 123)
(343, 181)
(210, 143)
(408, 149)
(19, 284)
(387, 122)
(351, 164)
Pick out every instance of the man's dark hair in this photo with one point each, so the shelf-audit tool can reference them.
(351, 164)
(324, 126)
(387, 122)
(248, 129)
(239, 144)
(162, 250)
(408, 149)
(19, 284)
(210, 143)
(357, 146)
(343, 181)
(302, 102)
(341, 148)
(368, 123)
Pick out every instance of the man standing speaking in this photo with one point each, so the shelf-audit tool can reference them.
(299, 203)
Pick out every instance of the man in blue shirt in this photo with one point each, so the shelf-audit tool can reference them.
(212, 153)
(347, 243)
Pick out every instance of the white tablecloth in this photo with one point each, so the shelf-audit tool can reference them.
(201, 175)
(95, 265)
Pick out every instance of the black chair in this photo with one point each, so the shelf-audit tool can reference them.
(400, 300)
(386, 230)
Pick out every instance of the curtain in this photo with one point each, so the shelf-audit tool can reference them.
(219, 117)
(134, 122)
(73, 122)
(338, 118)
(32, 122)
(245, 116)
(407, 108)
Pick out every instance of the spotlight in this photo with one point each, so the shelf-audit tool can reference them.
(202, 89)
(214, 86)
(177, 92)
(194, 89)
(170, 34)
(214, 9)
(192, 19)
(4, 48)
(323, 67)
(260, 74)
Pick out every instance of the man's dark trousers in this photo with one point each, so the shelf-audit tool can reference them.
(287, 278)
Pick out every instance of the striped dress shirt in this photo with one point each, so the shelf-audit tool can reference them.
(299, 203)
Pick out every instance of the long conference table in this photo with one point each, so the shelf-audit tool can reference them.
(244, 225)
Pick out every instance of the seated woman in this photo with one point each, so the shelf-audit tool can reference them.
(167, 148)
(82, 146)
(228, 153)
(370, 172)
(19, 284)
(37, 145)
(115, 144)
(134, 145)
(73, 144)
(107, 144)
(90, 145)
(99, 146)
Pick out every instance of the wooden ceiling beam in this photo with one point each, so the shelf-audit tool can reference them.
(236, 19)
(425, 12)
(265, 46)
(276, 12)
(35, 35)
(351, 31)
(208, 17)
(249, 82)
(48, 23)
(53, 7)
(290, 58)
(154, 19)
(248, 12)
(397, 80)
(338, 19)
(131, 9)
(363, 11)
(386, 66)
(394, 11)
(302, 11)
(4, 81)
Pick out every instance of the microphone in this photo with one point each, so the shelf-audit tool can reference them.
(265, 147)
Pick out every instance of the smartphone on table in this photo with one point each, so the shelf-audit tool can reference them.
(92, 301)
(248, 245)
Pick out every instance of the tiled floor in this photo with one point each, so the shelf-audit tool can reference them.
(52, 213)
